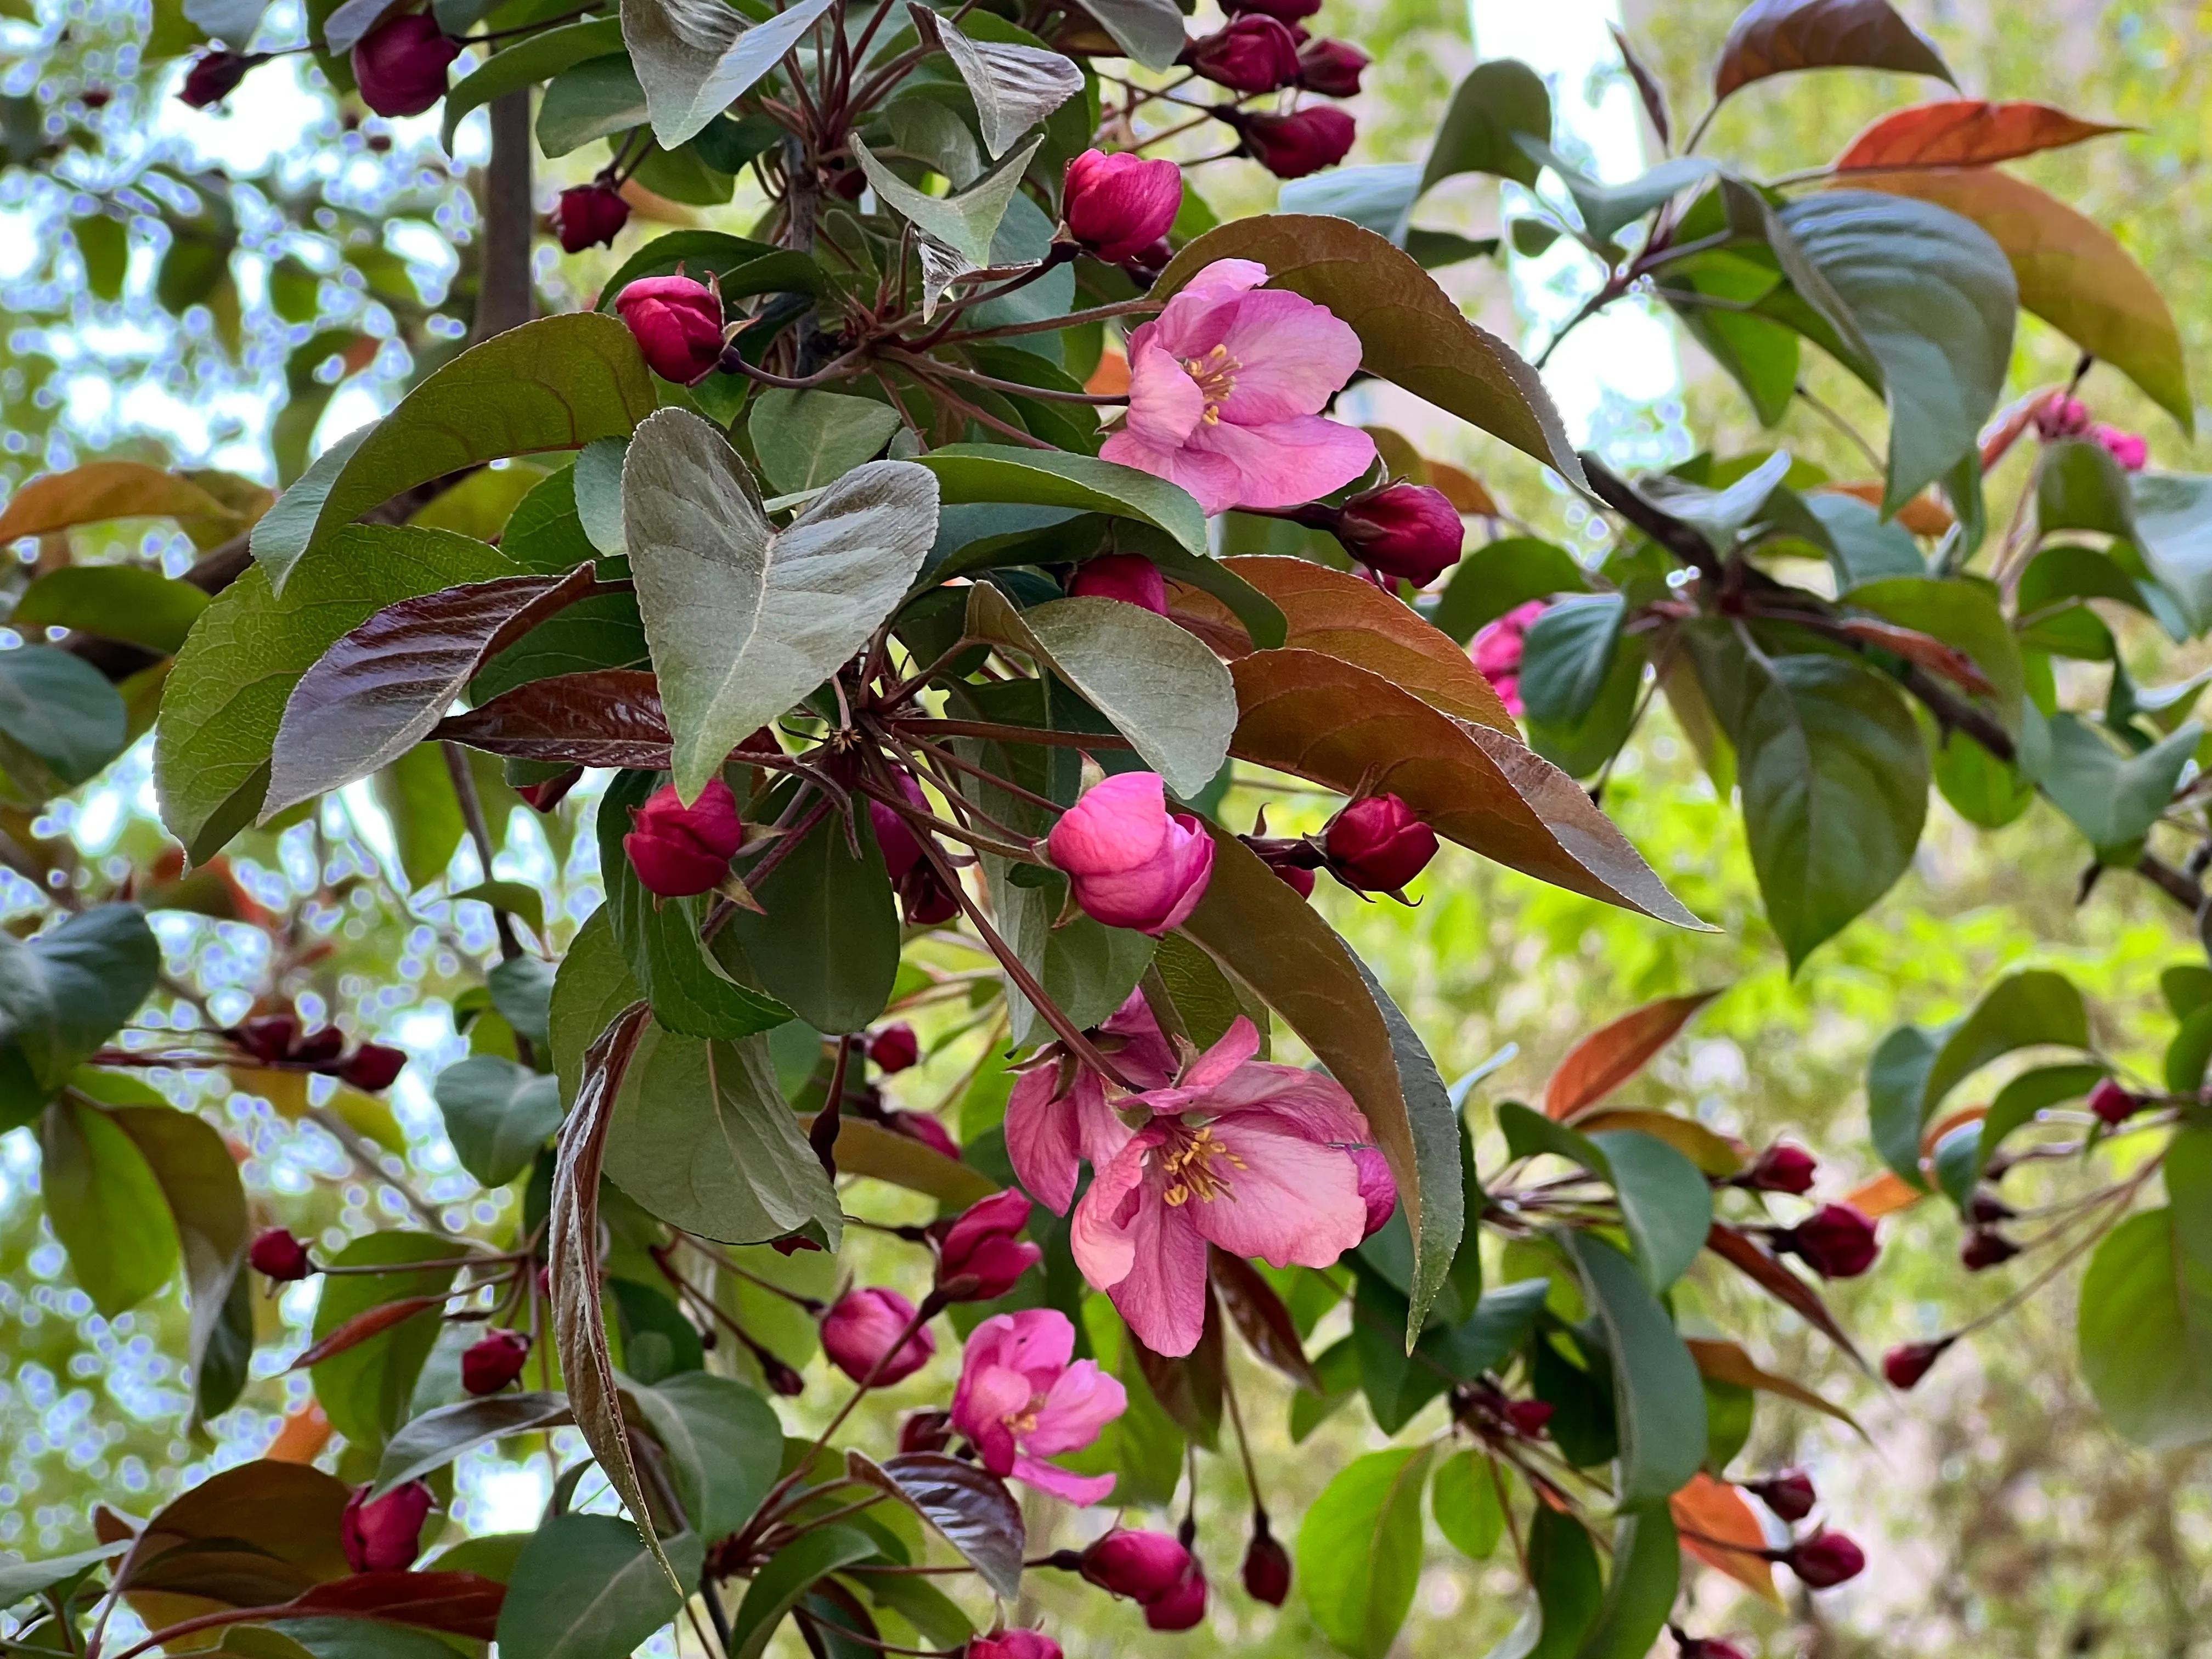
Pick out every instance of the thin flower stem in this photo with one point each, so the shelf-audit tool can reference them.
(721, 1259)
(907, 810)
(960, 405)
(1144, 145)
(1011, 388)
(945, 757)
(1053, 325)
(822, 1133)
(1243, 1445)
(992, 729)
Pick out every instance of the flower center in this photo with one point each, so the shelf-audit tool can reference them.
(1197, 1166)
(1216, 374)
(1023, 1423)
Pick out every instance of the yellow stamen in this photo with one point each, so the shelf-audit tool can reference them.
(1216, 375)
(1200, 1164)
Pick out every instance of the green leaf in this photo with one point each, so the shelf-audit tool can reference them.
(1377, 198)
(526, 62)
(995, 473)
(1359, 1550)
(416, 794)
(21, 1580)
(826, 942)
(964, 223)
(806, 440)
(788, 1574)
(364, 1389)
(595, 98)
(556, 383)
(2173, 517)
(1719, 514)
(744, 620)
(1410, 331)
(63, 993)
(1665, 1202)
(1659, 1401)
(1924, 301)
(105, 1204)
(1498, 100)
(1014, 86)
(2144, 1323)
(521, 990)
(724, 1442)
(498, 1115)
(1568, 654)
(1647, 1574)
(104, 243)
(1150, 31)
(1963, 614)
(438, 1437)
(1087, 968)
(2114, 798)
(61, 722)
(116, 601)
(1502, 576)
(695, 58)
(218, 725)
(1607, 209)
(1464, 1496)
(586, 1588)
(1864, 546)
(1562, 1563)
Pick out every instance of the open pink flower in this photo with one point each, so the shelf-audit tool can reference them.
(1498, 648)
(1131, 862)
(1020, 1401)
(1055, 1121)
(1241, 1153)
(1226, 386)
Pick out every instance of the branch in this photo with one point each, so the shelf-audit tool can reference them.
(505, 297)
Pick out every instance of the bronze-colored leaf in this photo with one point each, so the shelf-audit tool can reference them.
(1966, 132)
(1613, 1054)
(458, 1603)
(604, 717)
(101, 490)
(1711, 1516)
(255, 1535)
(969, 1505)
(1774, 37)
(373, 1322)
(1930, 653)
(1713, 1153)
(1741, 1253)
(1188, 1386)
(1727, 1362)
(1262, 1318)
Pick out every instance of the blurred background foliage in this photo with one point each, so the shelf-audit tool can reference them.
(2001, 1517)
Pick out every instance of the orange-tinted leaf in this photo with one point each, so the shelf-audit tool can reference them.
(1710, 1515)
(1773, 37)
(1464, 490)
(1885, 1194)
(1966, 132)
(285, 1091)
(1354, 621)
(1930, 653)
(1741, 1253)
(1609, 1056)
(1338, 724)
(1923, 515)
(1111, 378)
(1727, 1362)
(2072, 273)
(373, 1321)
(460, 1603)
(101, 490)
(302, 1437)
(1713, 1153)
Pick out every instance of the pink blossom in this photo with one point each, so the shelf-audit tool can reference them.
(1238, 1153)
(1132, 863)
(861, 1335)
(2130, 449)
(1496, 651)
(1058, 1115)
(1226, 386)
(1020, 1401)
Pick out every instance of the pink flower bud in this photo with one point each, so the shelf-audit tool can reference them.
(1404, 530)
(1986, 1247)
(925, 1431)
(859, 1334)
(589, 214)
(1141, 1565)
(1378, 1188)
(1254, 54)
(1782, 1167)
(921, 1127)
(277, 1255)
(1284, 11)
(400, 64)
(490, 1365)
(215, 74)
(1836, 1242)
(1496, 652)
(1906, 1364)
(1788, 1494)
(678, 324)
(894, 1047)
(373, 1066)
(1182, 1606)
(1131, 862)
(1375, 844)
(678, 850)
(1529, 1418)
(1331, 68)
(1305, 140)
(2130, 449)
(386, 1536)
(1014, 1644)
(1266, 1567)
(547, 793)
(1824, 1560)
(1118, 205)
(2060, 416)
(2113, 1103)
(1129, 577)
(985, 1246)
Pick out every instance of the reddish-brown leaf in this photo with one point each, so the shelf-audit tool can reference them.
(460, 1603)
(1265, 1324)
(1740, 1251)
(101, 491)
(1189, 1386)
(969, 1505)
(1774, 37)
(255, 1535)
(1885, 1194)
(604, 717)
(1712, 1515)
(378, 691)
(1727, 1362)
(1609, 1056)
(1347, 727)
(1964, 132)
(1713, 1153)
(1930, 653)
(1463, 489)
(372, 1321)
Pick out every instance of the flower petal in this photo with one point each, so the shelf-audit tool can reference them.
(1101, 1236)
(1288, 1201)
(1043, 1138)
(1063, 1483)
(1163, 1295)
(1304, 1104)
(1165, 404)
(1287, 463)
(1213, 479)
(1203, 309)
(1118, 825)
(1082, 1400)
(1292, 357)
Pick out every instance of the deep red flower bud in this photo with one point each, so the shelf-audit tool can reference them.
(1782, 1167)
(1404, 530)
(1182, 1606)
(1378, 1187)
(1254, 54)
(215, 74)
(490, 1365)
(926, 901)
(861, 1335)
(984, 1253)
(1141, 1565)
(1375, 844)
(896, 838)
(1906, 1364)
(1836, 1242)
(95, 97)
(1331, 68)
(373, 1066)
(1824, 1560)
(1705, 1647)
(277, 1255)
(385, 1536)
(270, 1038)
(1284, 11)
(319, 1047)
(2112, 1104)
(925, 1128)
(1014, 1644)
(1146, 263)
(1986, 1208)
(1129, 577)
(678, 324)
(1305, 140)
(547, 793)
(925, 1431)
(1266, 1565)
(894, 1047)
(677, 850)
(781, 1378)
(1788, 1494)
(589, 214)
(1528, 1416)
(400, 65)
(1986, 1247)
(1118, 205)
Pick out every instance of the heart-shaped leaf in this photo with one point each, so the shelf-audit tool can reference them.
(695, 57)
(1015, 87)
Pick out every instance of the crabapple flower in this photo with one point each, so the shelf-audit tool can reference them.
(894, 1047)
(1014, 1644)
(1226, 386)
(1266, 1565)
(1496, 651)
(2130, 449)
(1836, 1242)
(1118, 205)
(1403, 530)
(678, 325)
(215, 74)
(1304, 141)
(1788, 1494)
(1141, 1565)
(1782, 1167)
(1020, 1401)
(1182, 1606)
(277, 1255)
(385, 1535)
(985, 1246)
(1331, 68)
(1132, 862)
(1906, 1364)
(921, 1127)
(1237, 1152)
(2112, 1104)
(1254, 54)
(373, 1067)
(1054, 1122)
(493, 1361)
(1129, 577)
(2061, 416)
(1375, 844)
(859, 1332)
(589, 214)
(400, 65)
(1286, 11)
(1824, 1560)
(678, 850)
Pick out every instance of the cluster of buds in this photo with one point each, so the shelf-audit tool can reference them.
(1158, 1573)
(1373, 844)
(1266, 48)
(275, 1040)
(879, 1338)
(2061, 416)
